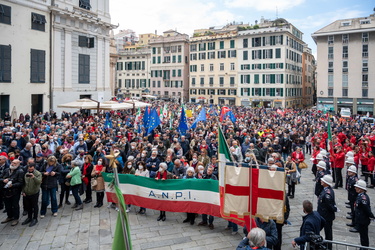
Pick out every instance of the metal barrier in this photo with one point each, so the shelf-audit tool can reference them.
(323, 244)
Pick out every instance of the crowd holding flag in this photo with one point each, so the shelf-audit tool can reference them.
(154, 121)
(183, 127)
(201, 117)
(108, 120)
(146, 118)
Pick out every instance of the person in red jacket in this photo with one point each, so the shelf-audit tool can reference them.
(370, 169)
(363, 157)
(297, 158)
(339, 158)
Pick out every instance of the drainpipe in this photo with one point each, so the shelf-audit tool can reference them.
(50, 58)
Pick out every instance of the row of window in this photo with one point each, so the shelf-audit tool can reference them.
(37, 21)
(345, 80)
(262, 66)
(266, 78)
(137, 65)
(166, 74)
(345, 66)
(220, 92)
(345, 91)
(38, 66)
(345, 38)
(168, 49)
(345, 51)
(168, 84)
(262, 92)
(166, 93)
(134, 83)
(167, 59)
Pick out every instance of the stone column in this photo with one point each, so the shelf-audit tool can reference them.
(68, 61)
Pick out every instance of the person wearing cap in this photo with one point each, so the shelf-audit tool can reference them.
(352, 193)
(39, 161)
(315, 159)
(327, 206)
(321, 167)
(291, 176)
(362, 213)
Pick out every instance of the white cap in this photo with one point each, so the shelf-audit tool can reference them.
(361, 184)
(319, 157)
(323, 152)
(352, 169)
(327, 179)
(350, 160)
(322, 164)
(350, 154)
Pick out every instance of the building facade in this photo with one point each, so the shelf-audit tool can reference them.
(170, 66)
(270, 65)
(308, 78)
(133, 73)
(345, 67)
(258, 66)
(25, 56)
(213, 68)
(80, 50)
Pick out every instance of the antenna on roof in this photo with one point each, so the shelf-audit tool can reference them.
(277, 13)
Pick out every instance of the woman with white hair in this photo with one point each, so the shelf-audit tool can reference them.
(190, 217)
(162, 174)
(256, 239)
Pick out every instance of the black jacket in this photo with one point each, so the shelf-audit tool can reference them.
(352, 194)
(362, 210)
(312, 222)
(326, 204)
(49, 181)
(16, 177)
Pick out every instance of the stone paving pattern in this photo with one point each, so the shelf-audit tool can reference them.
(93, 228)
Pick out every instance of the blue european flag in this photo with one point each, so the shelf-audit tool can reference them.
(146, 118)
(201, 117)
(108, 120)
(231, 116)
(183, 127)
(154, 121)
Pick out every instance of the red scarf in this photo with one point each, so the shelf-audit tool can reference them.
(85, 179)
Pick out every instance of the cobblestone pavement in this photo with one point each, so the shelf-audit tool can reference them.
(93, 228)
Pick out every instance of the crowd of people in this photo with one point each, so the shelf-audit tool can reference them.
(56, 156)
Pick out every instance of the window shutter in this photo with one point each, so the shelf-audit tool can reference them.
(263, 91)
(248, 91)
(241, 91)
(282, 92)
(282, 78)
(241, 78)
(91, 42)
(281, 39)
(263, 78)
(252, 91)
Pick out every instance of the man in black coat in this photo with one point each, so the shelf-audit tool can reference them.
(12, 182)
(362, 213)
(312, 223)
(327, 206)
(352, 193)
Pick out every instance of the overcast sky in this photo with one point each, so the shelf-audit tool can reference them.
(186, 15)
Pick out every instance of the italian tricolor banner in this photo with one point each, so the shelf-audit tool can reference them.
(330, 143)
(186, 195)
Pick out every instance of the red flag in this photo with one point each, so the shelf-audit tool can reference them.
(223, 111)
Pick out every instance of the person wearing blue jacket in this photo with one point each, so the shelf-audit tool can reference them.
(312, 223)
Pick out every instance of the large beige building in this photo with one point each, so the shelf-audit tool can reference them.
(308, 78)
(259, 65)
(345, 66)
(170, 66)
(214, 66)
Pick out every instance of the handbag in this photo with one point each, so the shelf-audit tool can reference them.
(67, 182)
(94, 182)
(302, 165)
(298, 174)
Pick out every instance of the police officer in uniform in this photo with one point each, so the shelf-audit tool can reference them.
(352, 194)
(321, 167)
(327, 206)
(362, 213)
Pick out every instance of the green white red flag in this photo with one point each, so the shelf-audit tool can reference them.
(329, 132)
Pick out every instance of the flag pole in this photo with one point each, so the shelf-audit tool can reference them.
(123, 223)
